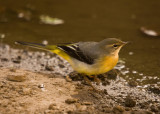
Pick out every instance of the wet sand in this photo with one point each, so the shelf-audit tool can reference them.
(38, 82)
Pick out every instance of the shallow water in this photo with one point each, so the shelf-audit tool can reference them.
(90, 21)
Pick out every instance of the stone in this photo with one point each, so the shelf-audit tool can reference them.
(129, 102)
(71, 101)
(132, 83)
(118, 108)
(87, 103)
(17, 78)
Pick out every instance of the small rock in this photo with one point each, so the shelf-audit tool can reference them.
(26, 91)
(112, 74)
(129, 102)
(158, 107)
(87, 103)
(132, 83)
(127, 109)
(154, 108)
(154, 89)
(70, 101)
(17, 78)
(118, 108)
(41, 86)
(107, 110)
(13, 70)
(140, 112)
(105, 83)
(68, 79)
(49, 68)
(80, 107)
(75, 76)
(61, 65)
(105, 91)
(52, 106)
(16, 60)
(4, 59)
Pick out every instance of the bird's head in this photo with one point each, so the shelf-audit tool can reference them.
(112, 45)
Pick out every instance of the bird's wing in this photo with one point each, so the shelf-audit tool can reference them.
(74, 51)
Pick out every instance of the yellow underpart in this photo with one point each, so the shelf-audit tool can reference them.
(101, 65)
(62, 54)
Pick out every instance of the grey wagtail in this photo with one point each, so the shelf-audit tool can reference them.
(90, 58)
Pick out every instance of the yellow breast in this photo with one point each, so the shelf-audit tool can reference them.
(101, 66)
(107, 63)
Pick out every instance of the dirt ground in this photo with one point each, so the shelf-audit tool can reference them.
(30, 85)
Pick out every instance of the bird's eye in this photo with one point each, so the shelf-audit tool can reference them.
(115, 45)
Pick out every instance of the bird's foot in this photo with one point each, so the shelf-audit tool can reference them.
(89, 83)
(97, 80)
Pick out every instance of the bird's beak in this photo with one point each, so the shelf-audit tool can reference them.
(124, 43)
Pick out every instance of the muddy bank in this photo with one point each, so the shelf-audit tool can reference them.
(36, 82)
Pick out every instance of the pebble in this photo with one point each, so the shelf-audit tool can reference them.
(132, 83)
(154, 108)
(49, 68)
(17, 78)
(129, 102)
(26, 91)
(71, 101)
(4, 59)
(112, 75)
(154, 89)
(41, 86)
(80, 107)
(87, 103)
(52, 106)
(107, 110)
(68, 79)
(127, 109)
(118, 108)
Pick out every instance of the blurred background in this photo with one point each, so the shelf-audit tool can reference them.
(60, 21)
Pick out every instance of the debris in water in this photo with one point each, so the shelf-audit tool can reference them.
(141, 74)
(149, 32)
(130, 53)
(45, 42)
(24, 14)
(134, 72)
(50, 20)
(2, 35)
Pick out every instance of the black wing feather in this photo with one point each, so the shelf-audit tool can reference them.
(75, 52)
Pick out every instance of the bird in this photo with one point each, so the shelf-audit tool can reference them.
(89, 58)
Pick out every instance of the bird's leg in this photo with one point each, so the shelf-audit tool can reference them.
(89, 82)
(90, 76)
(97, 80)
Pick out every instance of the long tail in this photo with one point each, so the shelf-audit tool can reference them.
(51, 48)
(38, 46)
